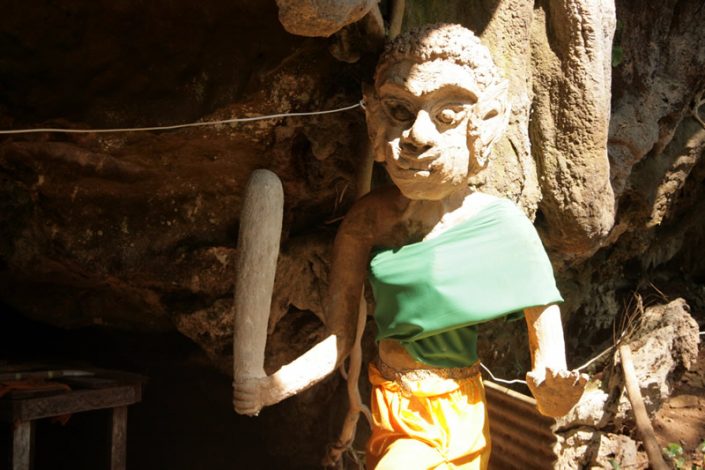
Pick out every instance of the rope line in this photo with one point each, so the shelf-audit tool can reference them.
(179, 126)
(595, 358)
(577, 368)
(515, 381)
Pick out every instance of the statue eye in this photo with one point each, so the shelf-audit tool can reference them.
(398, 111)
(451, 115)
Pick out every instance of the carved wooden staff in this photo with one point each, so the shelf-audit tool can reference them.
(258, 249)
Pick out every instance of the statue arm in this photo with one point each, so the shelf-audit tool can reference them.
(555, 388)
(545, 337)
(349, 266)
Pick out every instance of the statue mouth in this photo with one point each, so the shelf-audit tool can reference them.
(404, 165)
(415, 162)
(398, 172)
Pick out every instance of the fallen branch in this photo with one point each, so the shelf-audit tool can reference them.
(643, 424)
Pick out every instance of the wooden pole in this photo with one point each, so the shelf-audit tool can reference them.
(258, 250)
(22, 445)
(643, 424)
(397, 18)
(118, 438)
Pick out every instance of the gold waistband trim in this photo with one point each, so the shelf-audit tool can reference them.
(405, 376)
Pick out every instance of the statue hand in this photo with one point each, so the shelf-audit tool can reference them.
(556, 391)
(252, 394)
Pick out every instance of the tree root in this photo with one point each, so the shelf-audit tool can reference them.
(347, 434)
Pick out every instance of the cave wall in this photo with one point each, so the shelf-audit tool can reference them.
(133, 230)
(656, 146)
(137, 231)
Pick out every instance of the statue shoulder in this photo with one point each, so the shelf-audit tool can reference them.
(477, 202)
(375, 210)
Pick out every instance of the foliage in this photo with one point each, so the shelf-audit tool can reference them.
(674, 452)
(617, 51)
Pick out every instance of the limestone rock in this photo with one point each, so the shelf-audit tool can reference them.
(583, 448)
(569, 127)
(591, 411)
(321, 17)
(662, 84)
(573, 448)
(619, 449)
(512, 172)
(665, 341)
(300, 284)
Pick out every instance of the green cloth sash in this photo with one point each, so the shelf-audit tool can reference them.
(430, 294)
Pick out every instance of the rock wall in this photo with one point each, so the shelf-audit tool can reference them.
(137, 230)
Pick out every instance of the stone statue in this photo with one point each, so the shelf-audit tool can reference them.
(440, 259)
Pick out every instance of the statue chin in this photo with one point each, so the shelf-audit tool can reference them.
(419, 189)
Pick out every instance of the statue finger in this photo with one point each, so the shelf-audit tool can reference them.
(560, 374)
(241, 390)
(534, 379)
(583, 379)
(554, 376)
(247, 407)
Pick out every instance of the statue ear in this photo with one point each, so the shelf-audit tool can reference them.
(488, 123)
(494, 119)
(375, 126)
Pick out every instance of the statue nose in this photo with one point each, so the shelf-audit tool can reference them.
(420, 136)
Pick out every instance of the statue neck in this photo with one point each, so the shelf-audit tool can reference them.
(425, 215)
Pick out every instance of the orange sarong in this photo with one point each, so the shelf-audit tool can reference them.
(428, 422)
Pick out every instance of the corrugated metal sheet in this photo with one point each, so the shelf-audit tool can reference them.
(521, 437)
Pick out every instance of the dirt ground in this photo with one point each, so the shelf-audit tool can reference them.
(681, 419)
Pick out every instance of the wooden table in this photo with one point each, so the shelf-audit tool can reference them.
(22, 413)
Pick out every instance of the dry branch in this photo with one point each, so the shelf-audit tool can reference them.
(643, 424)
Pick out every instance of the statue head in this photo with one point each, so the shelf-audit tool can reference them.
(438, 105)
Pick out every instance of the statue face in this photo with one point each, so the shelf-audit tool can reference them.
(423, 139)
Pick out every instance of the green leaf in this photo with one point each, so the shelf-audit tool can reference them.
(617, 56)
(673, 450)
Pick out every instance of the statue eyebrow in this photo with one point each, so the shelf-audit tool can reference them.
(396, 89)
(448, 89)
(458, 92)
